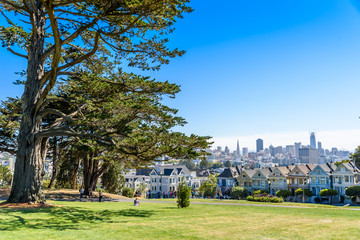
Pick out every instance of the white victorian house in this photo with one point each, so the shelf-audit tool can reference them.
(166, 178)
(344, 176)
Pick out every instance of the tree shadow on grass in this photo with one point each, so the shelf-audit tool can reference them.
(64, 218)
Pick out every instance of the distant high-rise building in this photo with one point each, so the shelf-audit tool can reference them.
(319, 145)
(259, 145)
(272, 150)
(309, 155)
(320, 149)
(290, 149)
(297, 147)
(334, 151)
(279, 150)
(245, 152)
(227, 150)
(219, 148)
(237, 148)
(312, 140)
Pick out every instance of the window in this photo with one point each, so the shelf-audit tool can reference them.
(244, 176)
(322, 180)
(259, 175)
(313, 180)
(346, 178)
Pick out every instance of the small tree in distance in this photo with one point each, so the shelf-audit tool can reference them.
(328, 193)
(283, 193)
(184, 192)
(353, 191)
(208, 188)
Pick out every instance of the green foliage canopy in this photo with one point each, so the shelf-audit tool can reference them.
(353, 191)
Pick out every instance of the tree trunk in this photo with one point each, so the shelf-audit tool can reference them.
(30, 158)
(92, 172)
(55, 164)
(75, 174)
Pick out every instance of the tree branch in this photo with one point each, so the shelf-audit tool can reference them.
(17, 54)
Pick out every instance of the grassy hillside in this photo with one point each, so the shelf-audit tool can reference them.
(87, 220)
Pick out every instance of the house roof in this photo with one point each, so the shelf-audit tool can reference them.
(202, 173)
(168, 169)
(327, 167)
(286, 170)
(143, 171)
(229, 173)
(266, 171)
(168, 172)
(350, 165)
(250, 173)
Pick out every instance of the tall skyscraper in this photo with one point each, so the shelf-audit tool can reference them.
(312, 140)
(245, 152)
(259, 145)
(237, 148)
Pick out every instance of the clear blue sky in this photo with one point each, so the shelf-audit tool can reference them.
(257, 67)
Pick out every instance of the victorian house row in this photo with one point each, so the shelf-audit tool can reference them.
(309, 176)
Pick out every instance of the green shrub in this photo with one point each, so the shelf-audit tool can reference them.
(317, 199)
(239, 192)
(128, 192)
(353, 191)
(249, 198)
(307, 192)
(277, 199)
(283, 193)
(328, 192)
(184, 192)
(342, 198)
(257, 192)
(265, 199)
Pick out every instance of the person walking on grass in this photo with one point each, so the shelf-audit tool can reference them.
(100, 195)
(81, 192)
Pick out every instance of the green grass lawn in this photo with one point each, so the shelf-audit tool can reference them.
(111, 220)
(293, 204)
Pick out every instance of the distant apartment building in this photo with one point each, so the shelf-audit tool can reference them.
(259, 145)
(308, 155)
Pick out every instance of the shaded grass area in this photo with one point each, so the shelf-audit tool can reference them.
(76, 220)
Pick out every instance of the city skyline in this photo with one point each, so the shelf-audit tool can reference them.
(283, 139)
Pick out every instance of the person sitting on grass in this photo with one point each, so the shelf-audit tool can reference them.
(136, 202)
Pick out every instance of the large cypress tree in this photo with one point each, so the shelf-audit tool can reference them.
(56, 37)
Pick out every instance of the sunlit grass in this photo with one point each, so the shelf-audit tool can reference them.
(110, 220)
